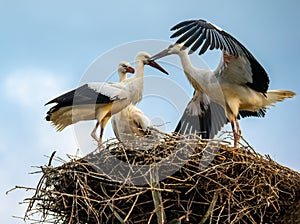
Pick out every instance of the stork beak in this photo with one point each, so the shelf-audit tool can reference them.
(160, 54)
(153, 64)
(130, 70)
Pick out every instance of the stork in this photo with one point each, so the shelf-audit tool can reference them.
(239, 84)
(100, 100)
(130, 122)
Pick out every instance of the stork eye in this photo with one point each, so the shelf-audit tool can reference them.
(124, 66)
(147, 57)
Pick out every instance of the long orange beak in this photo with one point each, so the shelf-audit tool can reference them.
(130, 70)
(160, 55)
(153, 64)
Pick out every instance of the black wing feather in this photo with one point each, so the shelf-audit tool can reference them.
(187, 35)
(206, 43)
(210, 121)
(212, 41)
(198, 42)
(182, 30)
(181, 24)
(207, 124)
(219, 39)
(260, 113)
(230, 47)
(193, 38)
(260, 78)
(80, 96)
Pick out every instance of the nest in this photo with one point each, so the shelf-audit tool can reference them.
(180, 179)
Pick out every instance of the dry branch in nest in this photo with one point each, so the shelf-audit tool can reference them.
(179, 179)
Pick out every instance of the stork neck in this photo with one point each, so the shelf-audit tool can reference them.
(136, 83)
(122, 76)
(185, 61)
(199, 78)
(184, 57)
(187, 64)
(139, 67)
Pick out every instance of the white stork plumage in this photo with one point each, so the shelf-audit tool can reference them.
(100, 100)
(238, 87)
(130, 123)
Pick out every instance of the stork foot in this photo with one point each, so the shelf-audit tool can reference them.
(100, 145)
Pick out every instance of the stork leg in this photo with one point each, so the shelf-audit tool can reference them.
(236, 131)
(239, 131)
(93, 134)
(102, 126)
(235, 134)
(101, 135)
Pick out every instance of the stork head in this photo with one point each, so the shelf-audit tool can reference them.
(123, 68)
(146, 59)
(173, 48)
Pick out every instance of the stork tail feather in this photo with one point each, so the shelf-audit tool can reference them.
(60, 118)
(274, 96)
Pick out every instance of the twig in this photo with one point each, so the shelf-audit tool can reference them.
(131, 209)
(51, 157)
(210, 209)
(237, 186)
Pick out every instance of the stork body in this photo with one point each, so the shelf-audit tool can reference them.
(130, 122)
(100, 100)
(238, 87)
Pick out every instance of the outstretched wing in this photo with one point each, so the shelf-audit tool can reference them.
(206, 118)
(201, 34)
(202, 117)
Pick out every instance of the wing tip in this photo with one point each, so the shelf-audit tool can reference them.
(227, 42)
(51, 101)
(48, 116)
(182, 23)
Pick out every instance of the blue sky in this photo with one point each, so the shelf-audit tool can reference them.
(47, 47)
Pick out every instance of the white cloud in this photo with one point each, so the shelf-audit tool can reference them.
(28, 87)
(28, 91)
(29, 136)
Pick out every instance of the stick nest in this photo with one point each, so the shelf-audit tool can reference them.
(211, 183)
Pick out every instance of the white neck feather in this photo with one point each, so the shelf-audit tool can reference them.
(122, 76)
(139, 69)
(190, 70)
(185, 60)
(136, 83)
(201, 79)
